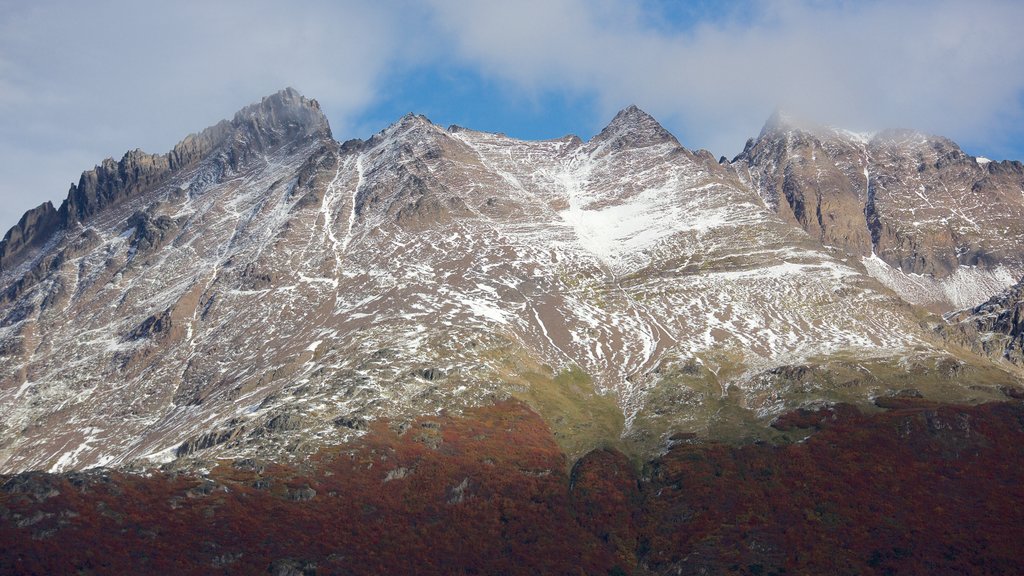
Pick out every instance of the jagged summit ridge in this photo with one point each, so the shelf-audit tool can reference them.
(282, 118)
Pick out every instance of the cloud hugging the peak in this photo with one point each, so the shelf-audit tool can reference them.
(83, 81)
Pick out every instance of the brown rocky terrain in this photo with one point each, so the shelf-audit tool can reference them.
(996, 327)
(917, 202)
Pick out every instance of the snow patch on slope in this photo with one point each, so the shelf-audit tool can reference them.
(967, 287)
(617, 233)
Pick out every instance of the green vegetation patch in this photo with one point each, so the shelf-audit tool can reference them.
(580, 418)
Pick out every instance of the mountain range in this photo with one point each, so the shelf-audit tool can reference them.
(264, 292)
(262, 285)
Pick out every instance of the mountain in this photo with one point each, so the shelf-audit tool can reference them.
(262, 288)
(440, 350)
(941, 228)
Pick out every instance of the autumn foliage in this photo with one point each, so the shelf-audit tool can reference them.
(483, 494)
(918, 489)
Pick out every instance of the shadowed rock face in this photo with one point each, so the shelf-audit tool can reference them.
(32, 231)
(918, 202)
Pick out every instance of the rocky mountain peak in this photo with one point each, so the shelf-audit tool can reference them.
(412, 134)
(780, 132)
(287, 114)
(412, 122)
(633, 128)
(780, 121)
(412, 118)
(280, 119)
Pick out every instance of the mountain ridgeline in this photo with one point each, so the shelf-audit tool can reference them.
(279, 118)
(263, 290)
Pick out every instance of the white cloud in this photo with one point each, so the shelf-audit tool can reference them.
(948, 67)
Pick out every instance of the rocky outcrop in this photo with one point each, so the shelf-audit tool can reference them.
(150, 233)
(279, 119)
(154, 327)
(35, 226)
(995, 328)
(210, 439)
(917, 201)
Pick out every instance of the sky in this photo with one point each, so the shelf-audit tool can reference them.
(83, 81)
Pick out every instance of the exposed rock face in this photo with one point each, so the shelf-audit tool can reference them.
(150, 234)
(634, 128)
(35, 227)
(814, 179)
(996, 327)
(263, 287)
(936, 207)
(917, 202)
(112, 182)
(155, 326)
